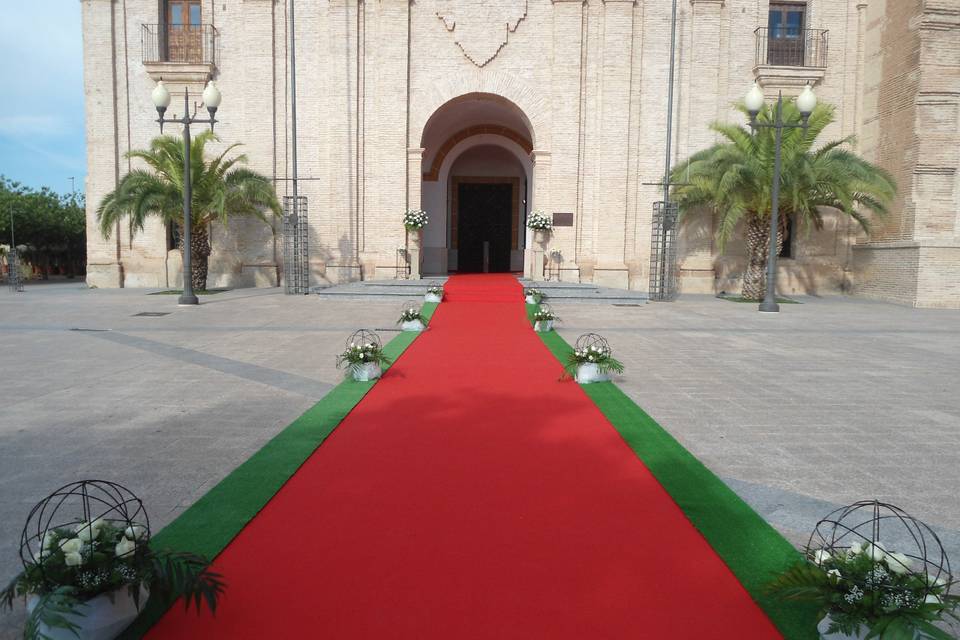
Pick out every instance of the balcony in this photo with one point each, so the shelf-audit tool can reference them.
(788, 57)
(179, 53)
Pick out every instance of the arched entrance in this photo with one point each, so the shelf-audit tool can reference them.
(477, 175)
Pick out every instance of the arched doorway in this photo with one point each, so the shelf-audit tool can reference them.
(477, 175)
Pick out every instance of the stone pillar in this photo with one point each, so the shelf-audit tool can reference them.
(533, 260)
(414, 184)
(610, 269)
(104, 268)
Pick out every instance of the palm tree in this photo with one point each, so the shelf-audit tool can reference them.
(220, 189)
(734, 178)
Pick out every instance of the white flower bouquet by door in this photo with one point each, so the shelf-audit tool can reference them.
(415, 219)
(363, 361)
(434, 294)
(412, 320)
(539, 221)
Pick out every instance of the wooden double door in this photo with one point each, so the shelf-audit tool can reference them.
(484, 223)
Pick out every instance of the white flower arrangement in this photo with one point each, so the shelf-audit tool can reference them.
(434, 294)
(867, 585)
(78, 564)
(534, 296)
(540, 221)
(415, 219)
(410, 315)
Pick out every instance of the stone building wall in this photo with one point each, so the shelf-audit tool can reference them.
(382, 84)
(911, 127)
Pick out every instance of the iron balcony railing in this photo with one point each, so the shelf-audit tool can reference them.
(189, 44)
(791, 47)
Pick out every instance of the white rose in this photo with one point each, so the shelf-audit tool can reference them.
(88, 531)
(932, 599)
(48, 539)
(125, 547)
(936, 581)
(73, 559)
(135, 531)
(875, 552)
(39, 554)
(899, 563)
(855, 548)
(73, 545)
(821, 556)
(835, 573)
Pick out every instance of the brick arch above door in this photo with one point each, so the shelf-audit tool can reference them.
(483, 129)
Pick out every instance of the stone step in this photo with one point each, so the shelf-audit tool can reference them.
(561, 292)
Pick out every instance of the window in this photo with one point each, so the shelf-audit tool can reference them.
(785, 33)
(184, 39)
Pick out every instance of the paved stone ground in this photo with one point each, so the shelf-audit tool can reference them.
(166, 406)
(831, 401)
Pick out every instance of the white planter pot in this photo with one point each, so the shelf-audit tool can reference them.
(589, 372)
(412, 325)
(432, 297)
(542, 326)
(825, 624)
(101, 619)
(532, 300)
(367, 371)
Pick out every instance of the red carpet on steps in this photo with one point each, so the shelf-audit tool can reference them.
(472, 495)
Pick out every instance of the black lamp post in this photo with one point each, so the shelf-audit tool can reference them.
(211, 100)
(806, 102)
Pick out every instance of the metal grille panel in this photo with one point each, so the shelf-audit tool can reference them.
(296, 253)
(663, 254)
(14, 277)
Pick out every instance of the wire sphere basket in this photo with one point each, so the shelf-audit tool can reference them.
(884, 531)
(546, 308)
(595, 340)
(81, 509)
(364, 337)
(411, 305)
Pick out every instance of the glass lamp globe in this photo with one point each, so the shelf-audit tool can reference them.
(806, 101)
(754, 99)
(160, 96)
(211, 96)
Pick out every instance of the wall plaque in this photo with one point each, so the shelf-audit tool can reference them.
(562, 219)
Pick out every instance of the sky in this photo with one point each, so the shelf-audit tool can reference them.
(41, 109)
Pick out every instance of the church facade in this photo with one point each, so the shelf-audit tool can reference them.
(480, 112)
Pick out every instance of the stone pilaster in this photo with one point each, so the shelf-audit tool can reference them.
(104, 268)
(542, 169)
(612, 166)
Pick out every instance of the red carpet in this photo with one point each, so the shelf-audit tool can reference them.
(472, 495)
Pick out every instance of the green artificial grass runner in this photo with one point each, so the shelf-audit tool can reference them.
(754, 551)
(209, 525)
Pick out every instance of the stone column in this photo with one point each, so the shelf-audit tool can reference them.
(104, 268)
(534, 254)
(414, 184)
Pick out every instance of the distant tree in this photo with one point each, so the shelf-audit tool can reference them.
(734, 178)
(220, 190)
(51, 226)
